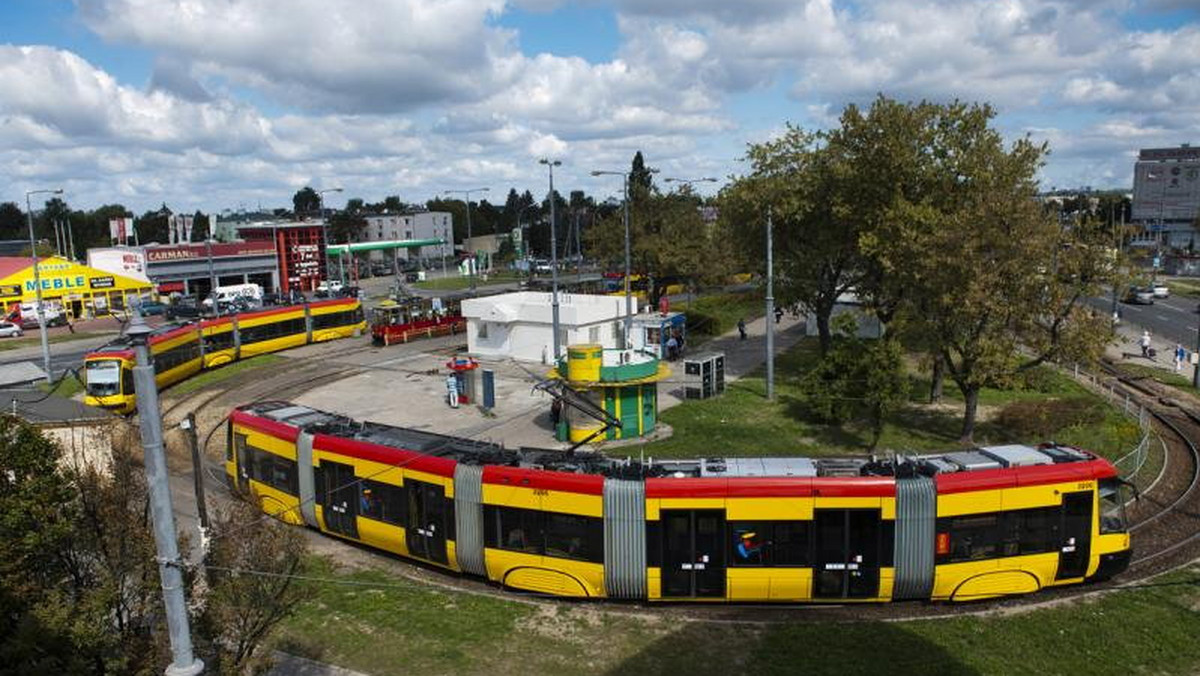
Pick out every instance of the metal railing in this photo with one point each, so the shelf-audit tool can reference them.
(1131, 463)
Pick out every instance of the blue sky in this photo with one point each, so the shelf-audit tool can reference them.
(214, 103)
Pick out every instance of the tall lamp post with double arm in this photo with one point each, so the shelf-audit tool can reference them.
(551, 164)
(37, 279)
(471, 260)
(628, 296)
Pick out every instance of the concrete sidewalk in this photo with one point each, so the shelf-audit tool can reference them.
(1127, 349)
(404, 385)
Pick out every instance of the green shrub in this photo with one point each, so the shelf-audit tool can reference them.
(1033, 420)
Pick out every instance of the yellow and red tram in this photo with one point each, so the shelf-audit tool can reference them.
(960, 526)
(181, 351)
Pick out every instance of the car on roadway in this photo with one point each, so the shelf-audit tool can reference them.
(1138, 295)
(153, 307)
(183, 308)
(1161, 290)
(10, 330)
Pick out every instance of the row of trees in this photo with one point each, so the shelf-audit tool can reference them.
(925, 213)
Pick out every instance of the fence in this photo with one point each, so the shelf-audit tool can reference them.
(1132, 462)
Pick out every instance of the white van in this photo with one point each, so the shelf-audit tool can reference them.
(252, 293)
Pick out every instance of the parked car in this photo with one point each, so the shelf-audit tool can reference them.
(153, 307)
(1161, 290)
(183, 309)
(10, 330)
(1137, 295)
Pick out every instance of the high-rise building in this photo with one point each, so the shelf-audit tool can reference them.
(1166, 192)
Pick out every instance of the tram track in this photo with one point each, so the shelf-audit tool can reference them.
(1166, 520)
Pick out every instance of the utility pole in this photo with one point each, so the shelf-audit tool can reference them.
(770, 315)
(37, 281)
(184, 662)
(551, 164)
(189, 429)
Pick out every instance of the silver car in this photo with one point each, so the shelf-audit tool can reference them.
(10, 330)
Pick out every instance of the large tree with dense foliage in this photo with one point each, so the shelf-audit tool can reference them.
(801, 179)
(994, 282)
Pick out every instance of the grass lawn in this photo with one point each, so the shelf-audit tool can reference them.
(458, 283)
(1160, 375)
(69, 387)
(714, 315)
(1180, 287)
(378, 623)
(742, 423)
(224, 373)
(13, 344)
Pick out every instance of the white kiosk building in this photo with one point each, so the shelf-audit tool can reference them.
(518, 325)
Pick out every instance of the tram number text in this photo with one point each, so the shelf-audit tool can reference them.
(1084, 486)
(541, 491)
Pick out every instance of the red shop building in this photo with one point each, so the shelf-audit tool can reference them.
(299, 247)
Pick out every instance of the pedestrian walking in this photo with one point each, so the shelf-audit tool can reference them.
(742, 328)
(778, 314)
(1145, 343)
(1180, 357)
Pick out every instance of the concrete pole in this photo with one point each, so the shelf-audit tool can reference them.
(184, 662)
(71, 239)
(470, 253)
(628, 295)
(770, 314)
(37, 284)
(553, 262)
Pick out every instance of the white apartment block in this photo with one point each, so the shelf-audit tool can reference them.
(421, 225)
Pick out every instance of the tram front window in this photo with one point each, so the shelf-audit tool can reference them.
(103, 377)
(1112, 507)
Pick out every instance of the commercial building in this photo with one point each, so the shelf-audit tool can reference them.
(1166, 193)
(189, 268)
(417, 225)
(519, 325)
(80, 290)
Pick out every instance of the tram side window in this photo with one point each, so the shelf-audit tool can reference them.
(381, 501)
(271, 331)
(768, 543)
(218, 341)
(1112, 507)
(177, 356)
(564, 536)
(270, 469)
(335, 319)
(999, 534)
(569, 536)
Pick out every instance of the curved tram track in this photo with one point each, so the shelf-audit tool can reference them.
(1165, 520)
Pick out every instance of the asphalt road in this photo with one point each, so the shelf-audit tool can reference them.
(1171, 319)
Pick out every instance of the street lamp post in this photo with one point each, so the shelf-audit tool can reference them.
(471, 255)
(551, 164)
(37, 280)
(628, 296)
(325, 225)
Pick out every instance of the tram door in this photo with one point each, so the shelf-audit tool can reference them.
(425, 533)
(340, 503)
(847, 554)
(1075, 548)
(693, 561)
(243, 462)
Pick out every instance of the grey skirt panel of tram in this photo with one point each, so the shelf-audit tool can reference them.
(625, 539)
(304, 467)
(468, 518)
(916, 513)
